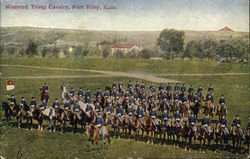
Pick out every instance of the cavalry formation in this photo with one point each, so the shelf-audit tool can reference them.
(164, 115)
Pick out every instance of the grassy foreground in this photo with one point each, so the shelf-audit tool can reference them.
(34, 144)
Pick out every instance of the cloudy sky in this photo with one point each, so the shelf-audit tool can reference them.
(132, 15)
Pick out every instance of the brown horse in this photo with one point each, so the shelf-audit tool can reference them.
(139, 125)
(208, 110)
(220, 136)
(237, 138)
(203, 136)
(150, 128)
(10, 110)
(44, 95)
(60, 113)
(95, 136)
(221, 110)
(117, 125)
(22, 114)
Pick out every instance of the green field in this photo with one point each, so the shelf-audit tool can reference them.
(34, 144)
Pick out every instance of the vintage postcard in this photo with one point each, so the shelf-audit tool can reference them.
(124, 79)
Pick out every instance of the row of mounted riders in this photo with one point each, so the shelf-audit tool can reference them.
(132, 112)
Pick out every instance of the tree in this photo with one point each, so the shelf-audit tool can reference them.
(209, 48)
(105, 53)
(190, 49)
(145, 53)
(226, 50)
(241, 49)
(31, 49)
(171, 41)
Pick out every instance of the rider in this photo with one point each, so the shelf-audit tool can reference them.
(12, 99)
(80, 92)
(120, 87)
(211, 90)
(45, 86)
(161, 87)
(98, 93)
(72, 92)
(176, 88)
(143, 85)
(98, 107)
(183, 88)
(168, 88)
(99, 124)
(223, 123)
(56, 104)
(130, 86)
(130, 112)
(87, 94)
(24, 104)
(63, 86)
(114, 84)
(140, 113)
(137, 84)
(178, 118)
(120, 113)
(153, 116)
(67, 105)
(222, 99)
(236, 123)
(33, 102)
(166, 117)
(199, 90)
(43, 105)
(192, 123)
(190, 89)
(206, 124)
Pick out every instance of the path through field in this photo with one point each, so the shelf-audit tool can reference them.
(101, 73)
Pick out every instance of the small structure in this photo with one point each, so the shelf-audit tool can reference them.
(226, 29)
(126, 48)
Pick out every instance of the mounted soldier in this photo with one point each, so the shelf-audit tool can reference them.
(45, 87)
(87, 95)
(130, 112)
(99, 124)
(178, 119)
(166, 118)
(72, 92)
(143, 85)
(153, 116)
(121, 87)
(24, 105)
(237, 125)
(211, 90)
(114, 84)
(192, 123)
(98, 93)
(80, 92)
(120, 113)
(191, 89)
(98, 107)
(223, 124)
(13, 100)
(206, 124)
(183, 89)
(43, 105)
(200, 92)
(33, 105)
(130, 87)
(176, 88)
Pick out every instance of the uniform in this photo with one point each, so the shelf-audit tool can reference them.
(190, 90)
(98, 108)
(45, 87)
(56, 105)
(72, 92)
(184, 99)
(176, 88)
(120, 113)
(221, 100)
(76, 107)
(140, 113)
(206, 124)
(25, 105)
(80, 93)
(177, 117)
(99, 123)
(13, 100)
(169, 88)
(176, 97)
(166, 118)
(223, 123)
(98, 93)
(153, 116)
(192, 122)
(43, 105)
(183, 89)
(33, 103)
(67, 105)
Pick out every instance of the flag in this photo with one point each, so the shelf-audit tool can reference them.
(10, 85)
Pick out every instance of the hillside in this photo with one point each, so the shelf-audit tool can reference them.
(45, 36)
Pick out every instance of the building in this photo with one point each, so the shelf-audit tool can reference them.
(226, 29)
(126, 48)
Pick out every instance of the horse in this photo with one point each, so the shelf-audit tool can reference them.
(176, 132)
(237, 138)
(203, 136)
(166, 129)
(150, 129)
(60, 113)
(220, 136)
(196, 108)
(221, 110)
(22, 114)
(127, 125)
(247, 137)
(10, 110)
(139, 125)
(208, 110)
(94, 135)
(117, 125)
(44, 95)
(185, 132)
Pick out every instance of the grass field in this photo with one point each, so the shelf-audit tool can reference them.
(34, 144)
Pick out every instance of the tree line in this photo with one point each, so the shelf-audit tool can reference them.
(171, 42)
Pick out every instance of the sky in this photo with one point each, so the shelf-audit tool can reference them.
(131, 15)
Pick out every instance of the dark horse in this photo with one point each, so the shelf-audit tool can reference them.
(10, 110)
(237, 138)
(44, 95)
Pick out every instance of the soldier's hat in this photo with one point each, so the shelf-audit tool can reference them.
(56, 99)
(12, 95)
(22, 97)
(237, 115)
(33, 97)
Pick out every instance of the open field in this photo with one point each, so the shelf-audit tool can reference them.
(34, 144)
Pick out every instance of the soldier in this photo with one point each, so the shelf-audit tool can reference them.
(87, 94)
(98, 107)
(176, 88)
(33, 103)
(153, 116)
(63, 87)
(143, 85)
(178, 119)
(24, 105)
(168, 88)
(140, 113)
(161, 88)
(184, 99)
(45, 87)
(236, 123)
(183, 88)
(137, 84)
(206, 124)
(99, 124)
(192, 123)
(223, 123)
(114, 84)
(106, 94)
(56, 104)
(80, 92)
(43, 105)
(98, 93)
(211, 90)
(120, 87)
(190, 89)
(130, 112)
(120, 113)
(67, 105)
(72, 92)
(13, 100)
(166, 117)
(200, 90)
(222, 99)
